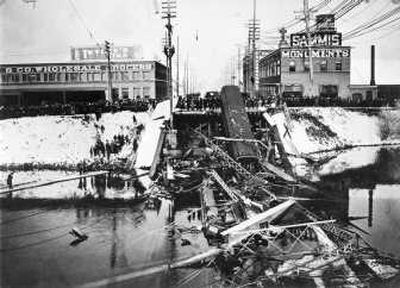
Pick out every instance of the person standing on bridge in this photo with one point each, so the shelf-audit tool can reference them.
(10, 180)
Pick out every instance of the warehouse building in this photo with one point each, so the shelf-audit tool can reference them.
(83, 79)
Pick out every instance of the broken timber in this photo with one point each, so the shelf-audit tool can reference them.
(51, 182)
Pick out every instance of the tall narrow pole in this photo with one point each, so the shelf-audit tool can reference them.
(169, 7)
(254, 30)
(307, 17)
(238, 68)
(107, 50)
(177, 66)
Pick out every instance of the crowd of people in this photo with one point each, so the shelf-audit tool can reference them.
(184, 103)
(140, 105)
(192, 104)
(200, 104)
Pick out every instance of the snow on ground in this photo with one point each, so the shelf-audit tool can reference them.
(350, 159)
(148, 146)
(59, 139)
(318, 129)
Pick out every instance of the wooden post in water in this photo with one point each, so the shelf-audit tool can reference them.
(370, 207)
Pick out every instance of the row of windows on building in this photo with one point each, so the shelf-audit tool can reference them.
(76, 77)
(298, 89)
(138, 92)
(323, 66)
(274, 68)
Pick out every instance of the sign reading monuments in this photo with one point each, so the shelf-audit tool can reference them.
(317, 53)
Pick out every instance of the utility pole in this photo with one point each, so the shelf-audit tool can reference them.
(254, 35)
(107, 51)
(307, 18)
(169, 11)
(238, 68)
(177, 66)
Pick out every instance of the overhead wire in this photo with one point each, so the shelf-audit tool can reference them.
(84, 24)
(374, 24)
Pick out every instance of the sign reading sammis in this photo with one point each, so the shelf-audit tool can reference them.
(316, 39)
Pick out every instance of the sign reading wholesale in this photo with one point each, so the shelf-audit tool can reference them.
(317, 53)
(74, 68)
(316, 39)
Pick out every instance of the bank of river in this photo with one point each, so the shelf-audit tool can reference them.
(129, 238)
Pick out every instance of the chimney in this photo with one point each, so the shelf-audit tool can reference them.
(372, 83)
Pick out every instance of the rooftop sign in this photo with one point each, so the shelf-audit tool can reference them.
(97, 53)
(316, 39)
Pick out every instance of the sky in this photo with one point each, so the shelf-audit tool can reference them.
(212, 33)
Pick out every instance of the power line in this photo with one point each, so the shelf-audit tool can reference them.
(83, 22)
(373, 24)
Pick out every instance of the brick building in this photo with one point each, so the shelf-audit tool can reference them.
(286, 71)
(83, 79)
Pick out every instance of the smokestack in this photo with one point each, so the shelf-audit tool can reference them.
(372, 83)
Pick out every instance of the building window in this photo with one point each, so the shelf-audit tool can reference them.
(116, 76)
(292, 66)
(97, 77)
(74, 77)
(84, 77)
(125, 92)
(324, 65)
(124, 76)
(146, 92)
(52, 77)
(338, 66)
(146, 75)
(306, 66)
(329, 91)
(136, 75)
(34, 77)
(136, 93)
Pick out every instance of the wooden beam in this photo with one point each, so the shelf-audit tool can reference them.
(51, 182)
(278, 171)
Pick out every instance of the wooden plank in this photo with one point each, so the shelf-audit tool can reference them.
(51, 182)
(257, 219)
(278, 171)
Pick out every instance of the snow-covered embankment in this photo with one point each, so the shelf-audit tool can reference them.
(310, 130)
(62, 140)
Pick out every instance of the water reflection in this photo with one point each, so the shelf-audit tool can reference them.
(107, 186)
(367, 198)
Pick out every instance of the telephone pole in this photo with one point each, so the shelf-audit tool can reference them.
(177, 66)
(107, 51)
(169, 11)
(307, 18)
(254, 35)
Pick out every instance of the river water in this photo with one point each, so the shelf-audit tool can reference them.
(37, 250)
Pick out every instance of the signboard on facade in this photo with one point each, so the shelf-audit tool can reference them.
(71, 68)
(97, 53)
(316, 39)
(317, 53)
(325, 22)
